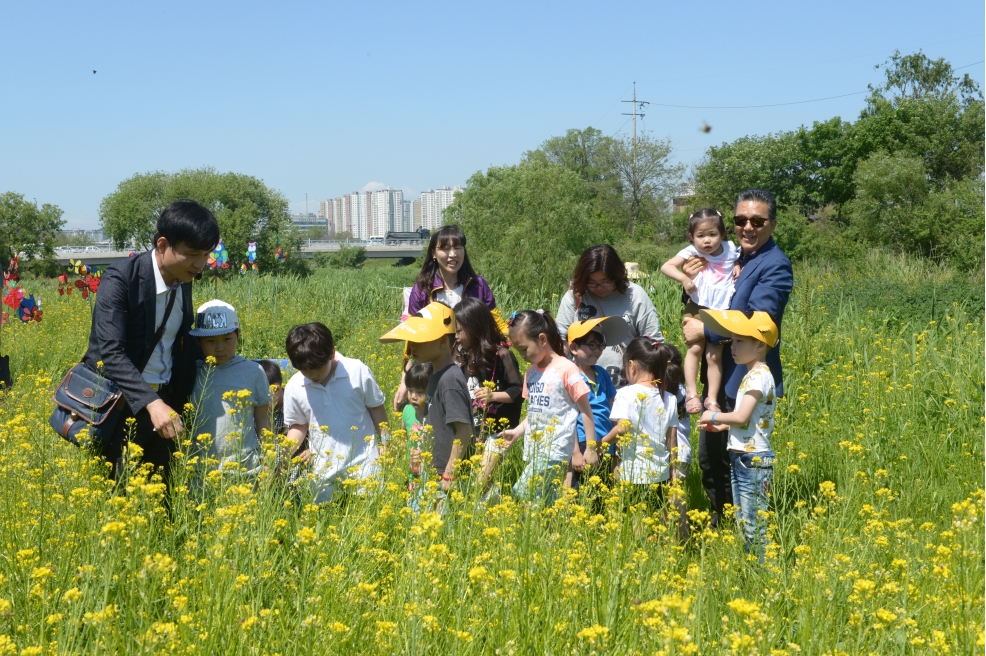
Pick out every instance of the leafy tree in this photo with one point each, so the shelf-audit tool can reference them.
(246, 209)
(528, 222)
(26, 228)
(587, 152)
(895, 206)
(922, 110)
(915, 77)
(647, 182)
(770, 162)
(630, 183)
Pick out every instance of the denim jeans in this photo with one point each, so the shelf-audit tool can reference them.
(751, 475)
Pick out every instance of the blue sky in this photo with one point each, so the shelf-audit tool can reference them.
(325, 98)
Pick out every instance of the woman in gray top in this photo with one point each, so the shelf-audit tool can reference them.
(600, 288)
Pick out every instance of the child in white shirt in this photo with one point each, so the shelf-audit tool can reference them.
(645, 413)
(336, 401)
(711, 289)
(751, 424)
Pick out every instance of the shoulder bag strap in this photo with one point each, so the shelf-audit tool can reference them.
(160, 331)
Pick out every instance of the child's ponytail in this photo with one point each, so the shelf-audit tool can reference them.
(534, 323)
(658, 360)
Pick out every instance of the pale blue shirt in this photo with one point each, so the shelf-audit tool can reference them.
(158, 369)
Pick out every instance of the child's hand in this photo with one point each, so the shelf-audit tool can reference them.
(737, 268)
(578, 462)
(591, 457)
(416, 462)
(483, 395)
(706, 421)
(509, 436)
(690, 287)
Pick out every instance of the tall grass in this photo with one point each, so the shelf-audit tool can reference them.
(876, 536)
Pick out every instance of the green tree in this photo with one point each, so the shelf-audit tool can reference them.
(246, 209)
(27, 228)
(526, 223)
(648, 180)
(896, 206)
(630, 183)
(771, 162)
(889, 191)
(586, 152)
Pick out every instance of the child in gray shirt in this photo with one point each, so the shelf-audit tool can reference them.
(231, 396)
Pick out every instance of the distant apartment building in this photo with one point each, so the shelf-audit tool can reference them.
(388, 212)
(367, 214)
(433, 204)
(356, 208)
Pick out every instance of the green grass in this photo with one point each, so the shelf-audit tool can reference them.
(876, 540)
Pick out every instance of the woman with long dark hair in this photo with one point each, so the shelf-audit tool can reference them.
(600, 288)
(483, 353)
(447, 276)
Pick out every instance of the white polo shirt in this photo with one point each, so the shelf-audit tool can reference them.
(338, 422)
(158, 369)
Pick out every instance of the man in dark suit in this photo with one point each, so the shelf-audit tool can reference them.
(136, 298)
(764, 284)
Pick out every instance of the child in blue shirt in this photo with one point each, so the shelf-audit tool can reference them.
(587, 339)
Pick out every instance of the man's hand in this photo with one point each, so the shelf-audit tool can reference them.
(693, 266)
(693, 331)
(166, 421)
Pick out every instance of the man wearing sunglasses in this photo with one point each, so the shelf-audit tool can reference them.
(764, 284)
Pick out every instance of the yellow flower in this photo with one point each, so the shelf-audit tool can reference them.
(114, 527)
(210, 360)
(593, 633)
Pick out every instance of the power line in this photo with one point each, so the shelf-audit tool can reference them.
(797, 102)
(968, 65)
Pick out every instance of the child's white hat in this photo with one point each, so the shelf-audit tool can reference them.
(213, 318)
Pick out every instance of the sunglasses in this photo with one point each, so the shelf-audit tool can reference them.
(755, 221)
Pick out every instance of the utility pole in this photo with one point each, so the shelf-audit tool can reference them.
(634, 182)
(635, 114)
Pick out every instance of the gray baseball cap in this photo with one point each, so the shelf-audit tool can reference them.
(213, 318)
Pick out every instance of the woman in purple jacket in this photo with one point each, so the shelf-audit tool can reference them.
(447, 277)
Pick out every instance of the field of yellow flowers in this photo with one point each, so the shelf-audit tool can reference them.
(876, 533)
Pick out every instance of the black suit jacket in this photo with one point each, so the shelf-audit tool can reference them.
(123, 325)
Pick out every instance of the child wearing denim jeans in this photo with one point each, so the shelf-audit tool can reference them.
(751, 424)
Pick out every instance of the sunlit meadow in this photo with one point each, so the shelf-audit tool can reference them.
(876, 529)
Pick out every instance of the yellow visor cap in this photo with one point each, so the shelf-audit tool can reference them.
(727, 323)
(613, 329)
(434, 321)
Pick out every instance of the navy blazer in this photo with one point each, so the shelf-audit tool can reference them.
(764, 285)
(123, 325)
